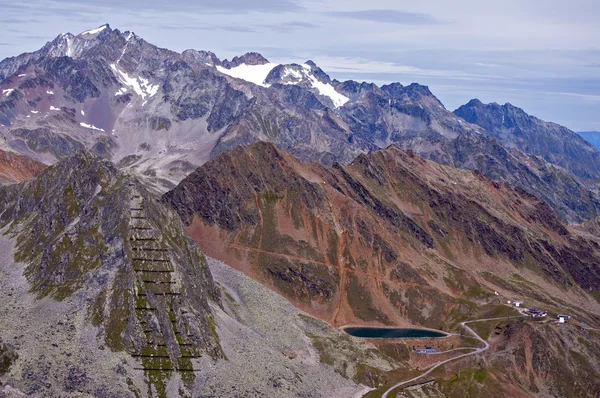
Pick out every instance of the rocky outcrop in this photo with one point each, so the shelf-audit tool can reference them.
(94, 239)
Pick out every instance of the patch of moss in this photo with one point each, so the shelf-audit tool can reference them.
(119, 311)
(7, 358)
(359, 299)
(270, 197)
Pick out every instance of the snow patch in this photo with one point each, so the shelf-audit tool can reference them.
(22, 74)
(328, 90)
(94, 31)
(324, 89)
(69, 46)
(52, 108)
(82, 112)
(140, 85)
(8, 91)
(90, 126)
(50, 92)
(121, 91)
(251, 73)
(34, 112)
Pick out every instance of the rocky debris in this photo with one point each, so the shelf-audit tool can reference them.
(283, 344)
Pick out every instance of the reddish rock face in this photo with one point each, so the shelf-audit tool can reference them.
(390, 239)
(17, 168)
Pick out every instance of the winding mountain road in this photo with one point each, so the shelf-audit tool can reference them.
(485, 347)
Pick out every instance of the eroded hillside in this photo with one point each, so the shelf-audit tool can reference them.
(390, 239)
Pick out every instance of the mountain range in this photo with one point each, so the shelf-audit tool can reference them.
(161, 114)
(593, 137)
(176, 224)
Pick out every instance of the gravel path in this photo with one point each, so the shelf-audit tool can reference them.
(485, 347)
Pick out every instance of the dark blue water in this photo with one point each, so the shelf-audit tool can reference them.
(391, 333)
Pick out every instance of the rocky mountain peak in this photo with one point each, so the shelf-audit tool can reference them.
(250, 58)
(206, 57)
(475, 102)
(515, 128)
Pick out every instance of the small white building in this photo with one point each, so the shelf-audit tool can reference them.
(517, 303)
(562, 318)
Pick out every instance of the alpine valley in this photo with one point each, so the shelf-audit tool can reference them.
(174, 224)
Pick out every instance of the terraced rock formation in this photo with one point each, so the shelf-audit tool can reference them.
(73, 229)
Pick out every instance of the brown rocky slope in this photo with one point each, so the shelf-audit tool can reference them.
(390, 239)
(17, 168)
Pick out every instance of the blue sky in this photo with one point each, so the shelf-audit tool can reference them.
(543, 56)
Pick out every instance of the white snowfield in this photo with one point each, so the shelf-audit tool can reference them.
(90, 126)
(251, 73)
(94, 31)
(50, 92)
(326, 89)
(52, 108)
(141, 86)
(258, 73)
(121, 91)
(8, 91)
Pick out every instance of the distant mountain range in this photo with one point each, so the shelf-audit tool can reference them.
(160, 114)
(593, 137)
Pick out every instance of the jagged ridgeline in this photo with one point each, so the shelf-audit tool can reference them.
(92, 235)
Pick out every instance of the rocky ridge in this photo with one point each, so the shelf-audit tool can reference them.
(390, 239)
(514, 128)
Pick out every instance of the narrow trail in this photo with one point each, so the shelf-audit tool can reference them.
(241, 247)
(485, 347)
(262, 222)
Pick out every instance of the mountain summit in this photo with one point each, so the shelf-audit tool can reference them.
(514, 128)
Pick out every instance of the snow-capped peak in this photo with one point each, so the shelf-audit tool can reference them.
(251, 73)
(94, 31)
